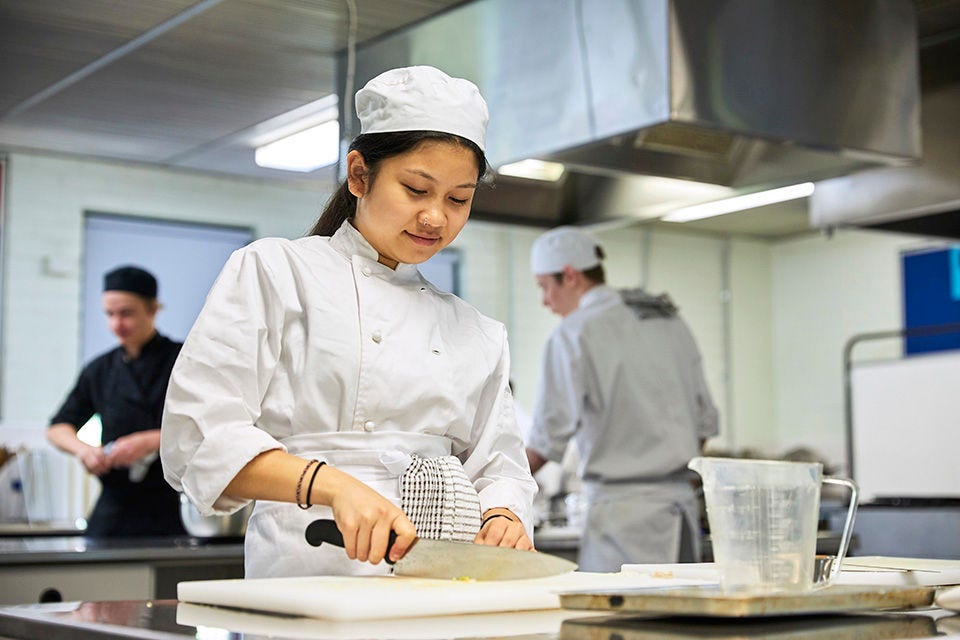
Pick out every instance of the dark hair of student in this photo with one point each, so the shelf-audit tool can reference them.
(593, 274)
(375, 148)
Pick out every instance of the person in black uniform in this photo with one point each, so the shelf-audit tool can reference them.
(126, 386)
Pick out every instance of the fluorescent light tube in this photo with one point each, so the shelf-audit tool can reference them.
(303, 151)
(533, 170)
(739, 203)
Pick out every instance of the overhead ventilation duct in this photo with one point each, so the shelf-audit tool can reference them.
(747, 94)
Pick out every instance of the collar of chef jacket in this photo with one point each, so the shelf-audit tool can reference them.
(350, 243)
(597, 294)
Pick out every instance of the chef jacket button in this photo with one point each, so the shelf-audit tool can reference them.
(366, 271)
(369, 425)
(377, 337)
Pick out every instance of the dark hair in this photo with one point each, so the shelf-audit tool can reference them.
(375, 148)
(593, 274)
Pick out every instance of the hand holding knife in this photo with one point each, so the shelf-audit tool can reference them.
(455, 560)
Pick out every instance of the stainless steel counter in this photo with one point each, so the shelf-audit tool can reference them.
(52, 569)
(169, 620)
(21, 529)
(73, 549)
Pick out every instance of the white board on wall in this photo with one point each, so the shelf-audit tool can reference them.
(184, 257)
(906, 427)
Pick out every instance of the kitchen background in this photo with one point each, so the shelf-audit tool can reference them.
(154, 132)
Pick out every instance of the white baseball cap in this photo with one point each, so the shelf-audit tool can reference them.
(422, 99)
(564, 246)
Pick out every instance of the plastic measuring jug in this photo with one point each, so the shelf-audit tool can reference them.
(763, 517)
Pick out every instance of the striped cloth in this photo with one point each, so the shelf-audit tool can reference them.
(440, 500)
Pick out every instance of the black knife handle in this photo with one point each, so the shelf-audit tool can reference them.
(320, 531)
(323, 530)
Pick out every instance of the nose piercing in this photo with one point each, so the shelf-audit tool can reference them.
(424, 222)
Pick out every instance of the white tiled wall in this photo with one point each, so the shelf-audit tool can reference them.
(45, 201)
(825, 291)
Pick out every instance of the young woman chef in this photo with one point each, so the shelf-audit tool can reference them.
(325, 377)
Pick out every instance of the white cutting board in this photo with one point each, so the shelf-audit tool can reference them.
(375, 597)
(856, 571)
(887, 570)
(472, 625)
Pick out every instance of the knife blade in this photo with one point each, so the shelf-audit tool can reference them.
(445, 559)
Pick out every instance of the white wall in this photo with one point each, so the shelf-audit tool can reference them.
(825, 291)
(770, 318)
(45, 201)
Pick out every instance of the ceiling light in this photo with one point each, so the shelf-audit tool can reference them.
(533, 170)
(739, 203)
(303, 151)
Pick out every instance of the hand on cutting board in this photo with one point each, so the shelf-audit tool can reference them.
(366, 518)
(507, 531)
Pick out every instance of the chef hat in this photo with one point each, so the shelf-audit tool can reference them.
(422, 99)
(131, 279)
(564, 246)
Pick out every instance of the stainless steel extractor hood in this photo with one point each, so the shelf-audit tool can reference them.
(923, 199)
(742, 93)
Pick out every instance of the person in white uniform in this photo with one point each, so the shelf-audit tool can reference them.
(326, 378)
(632, 395)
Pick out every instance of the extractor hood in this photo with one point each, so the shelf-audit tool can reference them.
(924, 199)
(744, 94)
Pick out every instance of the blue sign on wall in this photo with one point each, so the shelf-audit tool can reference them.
(931, 296)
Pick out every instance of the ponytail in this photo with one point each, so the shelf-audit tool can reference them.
(341, 206)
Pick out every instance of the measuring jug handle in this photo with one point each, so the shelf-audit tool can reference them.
(847, 527)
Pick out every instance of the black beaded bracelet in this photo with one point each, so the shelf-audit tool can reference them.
(310, 486)
(300, 484)
(496, 515)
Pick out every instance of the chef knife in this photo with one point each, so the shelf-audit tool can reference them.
(445, 559)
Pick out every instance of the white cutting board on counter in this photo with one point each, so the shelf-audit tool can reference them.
(346, 598)
(855, 571)
(471, 625)
(888, 570)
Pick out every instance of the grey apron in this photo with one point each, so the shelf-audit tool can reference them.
(639, 523)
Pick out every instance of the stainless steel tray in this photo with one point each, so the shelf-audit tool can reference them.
(813, 627)
(710, 601)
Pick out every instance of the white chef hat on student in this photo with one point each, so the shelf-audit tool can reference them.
(564, 246)
(422, 98)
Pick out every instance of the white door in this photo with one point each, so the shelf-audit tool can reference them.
(184, 257)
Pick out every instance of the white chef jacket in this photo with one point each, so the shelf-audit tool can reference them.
(632, 395)
(314, 347)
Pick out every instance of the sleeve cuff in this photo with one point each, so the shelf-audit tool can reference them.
(209, 472)
(507, 496)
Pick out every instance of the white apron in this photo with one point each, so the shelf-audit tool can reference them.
(275, 544)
